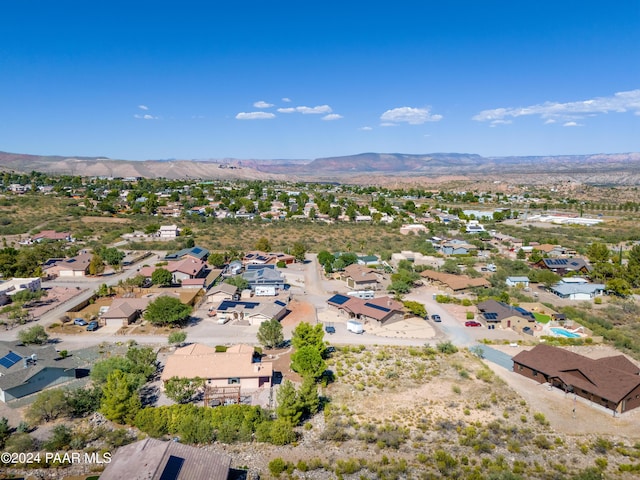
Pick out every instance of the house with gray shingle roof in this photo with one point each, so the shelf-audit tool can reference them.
(152, 459)
(25, 370)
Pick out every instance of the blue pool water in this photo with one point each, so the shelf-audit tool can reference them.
(564, 333)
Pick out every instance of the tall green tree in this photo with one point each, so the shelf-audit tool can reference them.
(299, 251)
(48, 405)
(598, 252)
(120, 400)
(288, 406)
(167, 310)
(263, 245)
(270, 333)
(182, 390)
(308, 362)
(162, 277)
(96, 266)
(307, 335)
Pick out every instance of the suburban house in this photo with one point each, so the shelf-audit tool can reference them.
(223, 291)
(522, 282)
(25, 370)
(454, 283)
(473, 226)
(360, 277)
(457, 247)
(77, 266)
(368, 260)
(51, 235)
(516, 318)
(168, 232)
(199, 253)
(187, 268)
(613, 382)
(236, 366)
(415, 228)
(580, 290)
(153, 459)
(181, 270)
(377, 311)
(562, 266)
(264, 281)
(252, 313)
(124, 311)
(257, 257)
(15, 285)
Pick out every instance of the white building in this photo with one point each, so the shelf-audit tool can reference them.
(168, 231)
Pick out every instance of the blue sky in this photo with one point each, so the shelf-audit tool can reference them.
(301, 80)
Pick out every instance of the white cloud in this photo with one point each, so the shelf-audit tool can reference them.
(410, 115)
(365, 129)
(388, 124)
(286, 100)
(549, 121)
(618, 103)
(143, 107)
(262, 104)
(332, 116)
(146, 116)
(572, 124)
(254, 116)
(318, 110)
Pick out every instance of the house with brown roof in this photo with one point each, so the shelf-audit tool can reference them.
(257, 257)
(51, 235)
(454, 283)
(124, 311)
(562, 266)
(361, 277)
(152, 459)
(507, 316)
(236, 366)
(221, 292)
(377, 311)
(612, 382)
(77, 266)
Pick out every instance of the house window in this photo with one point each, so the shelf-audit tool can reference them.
(520, 367)
(234, 381)
(535, 373)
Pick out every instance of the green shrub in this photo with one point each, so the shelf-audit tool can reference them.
(277, 466)
(540, 418)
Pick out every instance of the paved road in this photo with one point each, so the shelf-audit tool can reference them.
(497, 357)
(204, 330)
(87, 287)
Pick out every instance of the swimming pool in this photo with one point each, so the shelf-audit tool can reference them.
(564, 333)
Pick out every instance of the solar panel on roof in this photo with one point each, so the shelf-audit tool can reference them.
(172, 468)
(377, 307)
(10, 359)
(14, 357)
(5, 363)
(490, 316)
(338, 299)
(196, 250)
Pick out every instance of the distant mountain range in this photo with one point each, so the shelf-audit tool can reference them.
(612, 169)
